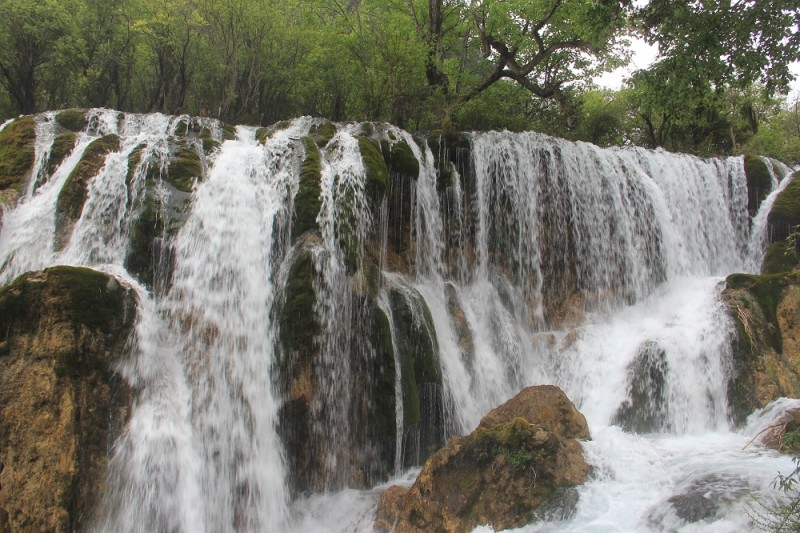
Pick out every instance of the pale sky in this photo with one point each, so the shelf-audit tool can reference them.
(644, 54)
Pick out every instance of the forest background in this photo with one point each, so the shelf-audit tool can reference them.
(720, 84)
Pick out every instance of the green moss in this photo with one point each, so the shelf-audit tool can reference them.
(73, 119)
(73, 193)
(228, 132)
(84, 297)
(382, 418)
(766, 291)
(400, 159)
(784, 217)
(62, 146)
(451, 152)
(299, 325)
(759, 182)
(780, 257)
(307, 202)
(323, 133)
(366, 129)
(17, 152)
(377, 172)
(417, 350)
(209, 144)
(185, 168)
(145, 229)
(262, 134)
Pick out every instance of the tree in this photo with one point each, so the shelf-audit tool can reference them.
(733, 43)
(30, 38)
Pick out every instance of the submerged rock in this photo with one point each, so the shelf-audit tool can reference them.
(61, 403)
(646, 408)
(523, 456)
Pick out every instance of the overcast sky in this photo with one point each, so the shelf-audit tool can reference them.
(644, 54)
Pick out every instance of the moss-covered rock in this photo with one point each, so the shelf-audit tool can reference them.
(421, 377)
(61, 404)
(646, 409)
(17, 152)
(377, 181)
(296, 373)
(784, 217)
(307, 201)
(759, 182)
(500, 474)
(400, 159)
(451, 155)
(765, 311)
(161, 213)
(780, 257)
(73, 193)
(185, 168)
(381, 415)
(322, 133)
(228, 131)
(73, 119)
(62, 147)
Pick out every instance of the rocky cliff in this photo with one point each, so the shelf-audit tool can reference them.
(61, 403)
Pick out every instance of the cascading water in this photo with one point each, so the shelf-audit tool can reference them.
(429, 296)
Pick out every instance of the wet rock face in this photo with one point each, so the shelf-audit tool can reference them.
(61, 404)
(522, 457)
(765, 311)
(646, 408)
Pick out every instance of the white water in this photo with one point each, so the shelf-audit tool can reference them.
(643, 236)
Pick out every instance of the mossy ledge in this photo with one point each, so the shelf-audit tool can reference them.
(759, 182)
(764, 311)
(377, 173)
(64, 329)
(73, 119)
(784, 217)
(62, 146)
(296, 372)
(17, 152)
(307, 202)
(400, 159)
(73, 193)
(451, 154)
(185, 167)
(322, 133)
(421, 377)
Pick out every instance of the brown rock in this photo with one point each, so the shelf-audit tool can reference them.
(521, 456)
(545, 405)
(766, 345)
(390, 505)
(60, 402)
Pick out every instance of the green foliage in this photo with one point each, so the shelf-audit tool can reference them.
(437, 65)
(783, 518)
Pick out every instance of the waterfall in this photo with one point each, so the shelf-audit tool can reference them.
(321, 306)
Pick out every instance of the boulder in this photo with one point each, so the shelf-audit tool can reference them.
(61, 403)
(521, 458)
(765, 348)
